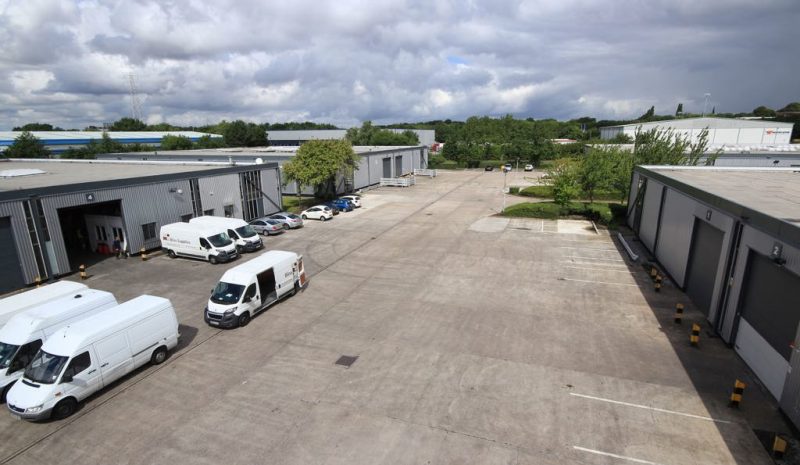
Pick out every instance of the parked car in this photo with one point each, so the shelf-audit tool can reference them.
(318, 212)
(354, 199)
(342, 204)
(528, 167)
(507, 167)
(267, 226)
(335, 210)
(287, 220)
(488, 168)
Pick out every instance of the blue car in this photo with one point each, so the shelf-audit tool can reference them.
(341, 205)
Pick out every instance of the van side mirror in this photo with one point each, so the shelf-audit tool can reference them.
(66, 379)
(246, 299)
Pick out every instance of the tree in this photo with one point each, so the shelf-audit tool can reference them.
(679, 110)
(790, 108)
(26, 145)
(368, 134)
(170, 142)
(37, 127)
(621, 138)
(317, 163)
(664, 147)
(77, 153)
(764, 112)
(127, 124)
(563, 176)
(241, 134)
(595, 172)
(207, 142)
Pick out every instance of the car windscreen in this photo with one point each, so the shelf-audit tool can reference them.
(226, 293)
(246, 231)
(220, 240)
(294, 217)
(7, 352)
(45, 368)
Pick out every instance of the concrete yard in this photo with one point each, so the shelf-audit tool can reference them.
(480, 340)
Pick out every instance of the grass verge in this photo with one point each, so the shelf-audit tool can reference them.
(608, 214)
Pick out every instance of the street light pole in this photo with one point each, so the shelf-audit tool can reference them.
(705, 103)
(505, 179)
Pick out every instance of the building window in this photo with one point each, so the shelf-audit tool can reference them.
(185, 218)
(208, 212)
(149, 231)
(228, 211)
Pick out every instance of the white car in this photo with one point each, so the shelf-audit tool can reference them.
(529, 167)
(356, 199)
(318, 212)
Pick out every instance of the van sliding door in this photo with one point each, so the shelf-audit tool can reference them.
(266, 286)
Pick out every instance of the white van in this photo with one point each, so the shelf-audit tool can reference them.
(82, 358)
(253, 286)
(245, 237)
(197, 241)
(24, 334)
(16, 303)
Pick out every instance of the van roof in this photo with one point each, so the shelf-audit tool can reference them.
(204, 229)
(218, 220)
(50, 313)
(66, 341)
(243, 272)
(38, 296)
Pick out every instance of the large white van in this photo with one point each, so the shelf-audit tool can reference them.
(16, 303)
(81, 358)
(197, 241)
(245, 237)
(253, 286)
(24, 334)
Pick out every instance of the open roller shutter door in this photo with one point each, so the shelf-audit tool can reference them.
(10, 276)
(703, 264)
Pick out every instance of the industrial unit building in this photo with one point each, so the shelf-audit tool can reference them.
(720, 130)
(57, 214)
(283, 138)
(754, 155)
(60, 141)
(730, 237)
(376, 162)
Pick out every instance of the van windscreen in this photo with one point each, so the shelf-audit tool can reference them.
(226, 293)
(7, 352)
(45, 368)
(246, 231)
(220, 240)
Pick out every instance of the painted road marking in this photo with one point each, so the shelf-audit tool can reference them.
(586, 248)
(653, 409)
(616, 265)
(597, 282)
(598, 269)
(598, 259)
(616, 456)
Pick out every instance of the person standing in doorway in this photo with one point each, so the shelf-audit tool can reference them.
(117, 245)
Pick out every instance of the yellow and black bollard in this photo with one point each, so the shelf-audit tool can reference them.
(738, 391)
(694, 339)
(82, 269)
(778, 447)
(658, 283)
(678, 313)
(144, 254)
(653, 273)
(38, 280)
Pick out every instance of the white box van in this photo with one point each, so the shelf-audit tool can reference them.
(16, 303)
(82, 358)
(24, 334)
(253, 286)
(197, 241)
(245, 237)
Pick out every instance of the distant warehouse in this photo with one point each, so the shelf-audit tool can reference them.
(60, 141)
(730, 237)
(721, 131)
(58, 214)
(293, 138)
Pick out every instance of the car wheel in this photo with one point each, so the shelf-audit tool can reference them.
(5, 392)
(212, 259)
(322, 218)
(244, 319)
(171, 254)
(64, 408)
(305, 217)
(285, 227)
(159, 356)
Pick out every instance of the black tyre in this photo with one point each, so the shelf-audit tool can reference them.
(322, 218)
(212, 259)
(64, 408)
(285, 227)
(5, 392)
(305, 217)
(171, 254)
(239, 249)
(244, 319)
(159, 356)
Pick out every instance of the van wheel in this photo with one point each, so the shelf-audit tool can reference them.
(212, 259)
(171, 254)
(159, 356)
(244, 319)
(239, 249)
(64, 408)
(305, 217)
(5, 392)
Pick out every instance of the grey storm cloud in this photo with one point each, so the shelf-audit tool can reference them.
(196, 61)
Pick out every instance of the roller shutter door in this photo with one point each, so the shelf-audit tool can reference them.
(10, 276)
(769, 308)
(703, 264)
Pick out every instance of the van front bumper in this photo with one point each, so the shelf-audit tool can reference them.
(220, 320)
(20, 412)
(253, 246)
(227, 256)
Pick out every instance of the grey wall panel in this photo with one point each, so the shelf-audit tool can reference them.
(271, 186)
(703, 267)
(361, 175)
(650, 212)
(218, 191)
(22, 238)
(632, 196)
(676, 234)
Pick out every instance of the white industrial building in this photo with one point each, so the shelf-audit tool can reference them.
(426, 136)
(60, 141)
(721, 131)
(730, 238)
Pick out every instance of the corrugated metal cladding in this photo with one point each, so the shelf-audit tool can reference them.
(23, 244)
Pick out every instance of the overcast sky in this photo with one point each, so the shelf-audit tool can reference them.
(195, 62)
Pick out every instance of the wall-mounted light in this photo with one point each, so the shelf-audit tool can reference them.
(175, 190)
(776, 254)
(90, 197)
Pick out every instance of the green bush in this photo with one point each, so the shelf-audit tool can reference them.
(448, 165)
(513, 190)
(435, 161)
(601, 213)
(544, 192)
(495, 163)
(546, 210)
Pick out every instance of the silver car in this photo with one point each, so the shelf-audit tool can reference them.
(287, 220)
(267, 226)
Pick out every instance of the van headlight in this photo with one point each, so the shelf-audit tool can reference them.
(35, 409)
(231, 310)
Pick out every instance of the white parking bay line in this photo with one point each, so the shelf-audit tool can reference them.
(616, 456)
(647, 407)
(597, 282)
(598, 259)
(597, 269)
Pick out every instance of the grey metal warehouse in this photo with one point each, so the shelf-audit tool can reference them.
(730, 237)
(376, 161)
(56, 214)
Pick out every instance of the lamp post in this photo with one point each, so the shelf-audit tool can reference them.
(705, 102)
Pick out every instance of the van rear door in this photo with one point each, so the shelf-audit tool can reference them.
(114, 355)
(266, 286)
